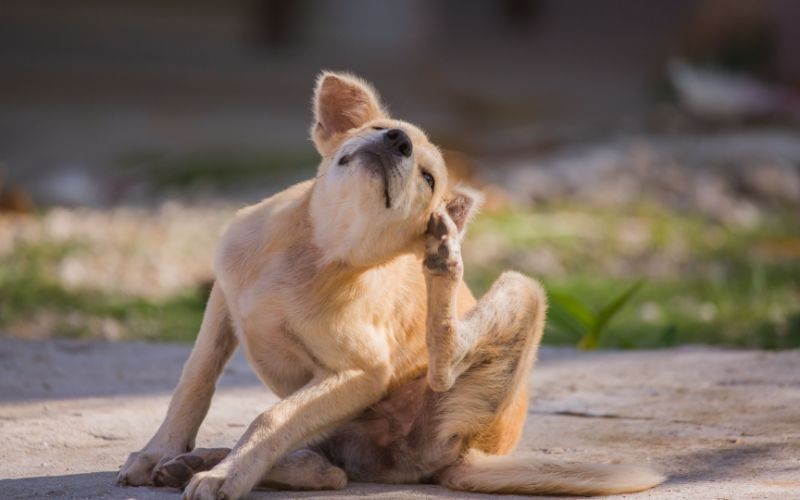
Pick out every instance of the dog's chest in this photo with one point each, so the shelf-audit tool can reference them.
(288, 343)
(279, 358)
(275, 351)
(294, 329)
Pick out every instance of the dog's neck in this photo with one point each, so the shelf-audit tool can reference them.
(331, 284)
(345, 237)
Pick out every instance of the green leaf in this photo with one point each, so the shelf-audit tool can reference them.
(589, 341)
(576, 309)
(605, 315)
(560, 319)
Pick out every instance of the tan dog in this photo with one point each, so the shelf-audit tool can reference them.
(344, 291)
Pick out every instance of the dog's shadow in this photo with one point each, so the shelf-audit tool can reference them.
(734, 461)
(703, 466)
(103, 485)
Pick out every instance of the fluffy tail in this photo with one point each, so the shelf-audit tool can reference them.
(523, 475)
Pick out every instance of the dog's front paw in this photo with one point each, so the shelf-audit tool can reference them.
(443, 248)
(212, 485)
(138, 469)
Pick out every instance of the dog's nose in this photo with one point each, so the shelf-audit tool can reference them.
(397, 140)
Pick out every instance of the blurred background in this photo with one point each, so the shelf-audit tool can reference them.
(641, 158)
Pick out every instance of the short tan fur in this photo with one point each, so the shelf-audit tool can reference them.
(346, 294)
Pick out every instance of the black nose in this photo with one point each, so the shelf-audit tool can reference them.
(397, 140)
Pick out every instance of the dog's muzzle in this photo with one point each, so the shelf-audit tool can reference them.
(384, 157)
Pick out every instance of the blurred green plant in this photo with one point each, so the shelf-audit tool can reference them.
(708, 281)
(32, 299)
(589, 325)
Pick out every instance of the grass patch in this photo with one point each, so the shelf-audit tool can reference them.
(33, 302)
(706, 283)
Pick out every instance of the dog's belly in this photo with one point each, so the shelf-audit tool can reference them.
(395, 440)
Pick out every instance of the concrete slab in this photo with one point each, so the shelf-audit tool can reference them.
(720, 423)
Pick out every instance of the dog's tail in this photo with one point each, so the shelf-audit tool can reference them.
(483, 473)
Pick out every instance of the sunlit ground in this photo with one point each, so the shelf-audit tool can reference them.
(131, 273)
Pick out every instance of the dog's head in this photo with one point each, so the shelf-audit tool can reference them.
(380, 179)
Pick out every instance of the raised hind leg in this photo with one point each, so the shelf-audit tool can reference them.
(415, 433)
(481, 364)
(512, 313)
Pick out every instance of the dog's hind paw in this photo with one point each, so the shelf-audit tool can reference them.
(177, 472)
(442, 247)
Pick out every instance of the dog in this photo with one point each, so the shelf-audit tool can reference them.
(346, 294)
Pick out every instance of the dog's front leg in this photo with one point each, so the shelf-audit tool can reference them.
(187, 409)
(321, 405)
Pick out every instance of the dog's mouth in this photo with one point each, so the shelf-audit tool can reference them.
(380, 164)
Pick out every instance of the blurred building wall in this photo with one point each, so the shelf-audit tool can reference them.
(88, 81)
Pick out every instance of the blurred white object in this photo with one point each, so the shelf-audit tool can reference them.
(720, 94)
(71, 185)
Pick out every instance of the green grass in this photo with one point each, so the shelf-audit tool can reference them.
(702, 281)
(573, 316)
(29, 294)
(728, 286)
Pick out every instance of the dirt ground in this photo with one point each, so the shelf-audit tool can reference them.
(722, 424)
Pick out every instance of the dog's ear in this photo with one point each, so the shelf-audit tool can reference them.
(461, 204)
(341, 102)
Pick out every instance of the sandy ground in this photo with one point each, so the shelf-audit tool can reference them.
(722, 424)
